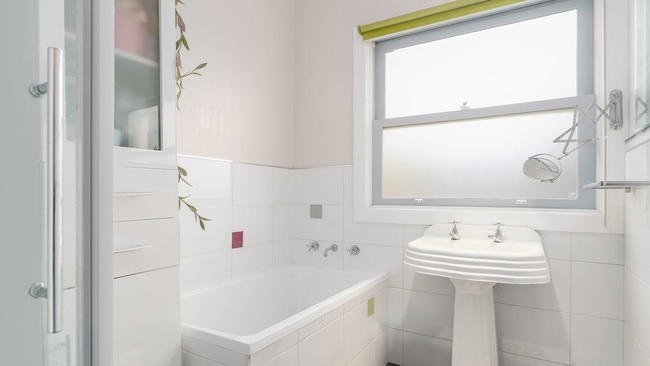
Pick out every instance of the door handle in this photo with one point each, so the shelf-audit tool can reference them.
(53, 87)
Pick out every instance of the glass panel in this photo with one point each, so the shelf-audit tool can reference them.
(24, 337)
(642, 72)
(478, 158)
(526, 61)
(137, 74)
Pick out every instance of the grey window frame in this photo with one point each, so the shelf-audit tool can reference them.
(586, 199)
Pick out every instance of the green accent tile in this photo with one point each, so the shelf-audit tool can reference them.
(371, 306)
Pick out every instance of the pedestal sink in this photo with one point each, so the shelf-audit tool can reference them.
(474, 264)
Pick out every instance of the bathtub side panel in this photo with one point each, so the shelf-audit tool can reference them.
(197, 351)
(341, 326)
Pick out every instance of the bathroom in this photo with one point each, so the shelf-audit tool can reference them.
(271, 137)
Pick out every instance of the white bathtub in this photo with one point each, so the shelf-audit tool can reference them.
(254, 320)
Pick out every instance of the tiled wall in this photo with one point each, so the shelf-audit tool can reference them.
(575, 320)
(637, 257)
(236, 198)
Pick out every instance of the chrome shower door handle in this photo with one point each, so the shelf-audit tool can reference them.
(53, 290)
(55, 188)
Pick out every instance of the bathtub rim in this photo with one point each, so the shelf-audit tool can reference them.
(249, 344)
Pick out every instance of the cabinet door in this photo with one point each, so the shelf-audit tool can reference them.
(144, 110)
(147, 320)
(141, 246)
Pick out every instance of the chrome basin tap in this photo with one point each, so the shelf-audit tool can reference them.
(455, 235)
(498, 234)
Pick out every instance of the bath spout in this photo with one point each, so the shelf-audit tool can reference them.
(332, 247)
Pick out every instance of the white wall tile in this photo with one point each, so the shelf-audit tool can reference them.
(420, 350)
(557, 245)
(288, 358)
(323, 348)
(283, 253)
(376, 354)
(598, 248)
(273, 350)
(255, 221)
(597, 289)
(204, 271)
(347, 185)
(540, 334)
(302, 256)
(396, 308)
(596, 341)
(215, 237)
(247, 261)
(210, 180)
(555, 295)
(319, 185)
(360, 330)
(637, 303)
(190, 359)
(283, 225)
(377, 259)
(370, 233)
(637, 255)
(428, 314)
(509, 359)
(412, 232)
(329, 228)
(252, 185)
(633, 354)
(637, 223)
(214, 352)
(282, 186)
(395, 346)
(426, 283)
(319, 323)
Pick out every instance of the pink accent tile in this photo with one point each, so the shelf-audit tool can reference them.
(237, 239)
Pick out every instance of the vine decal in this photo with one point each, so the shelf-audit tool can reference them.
(181, 43)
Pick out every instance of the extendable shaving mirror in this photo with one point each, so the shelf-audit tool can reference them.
(543, 168)
(546, 167)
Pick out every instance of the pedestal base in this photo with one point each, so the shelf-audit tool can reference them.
(475, 337)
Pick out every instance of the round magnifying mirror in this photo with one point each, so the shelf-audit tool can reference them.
(543, 168)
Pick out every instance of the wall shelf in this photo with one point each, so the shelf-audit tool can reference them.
(614, 184)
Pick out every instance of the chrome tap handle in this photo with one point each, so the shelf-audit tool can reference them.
(455, 235)
(313, 246)
(498, 234)
(354, 250)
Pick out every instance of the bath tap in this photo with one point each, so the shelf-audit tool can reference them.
(455, 235)
(498, 235)
(313, 246)
(332, 247)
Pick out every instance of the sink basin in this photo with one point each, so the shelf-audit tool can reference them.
(519, 259)
(474, 264)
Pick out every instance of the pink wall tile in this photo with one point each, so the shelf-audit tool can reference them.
(237, 239)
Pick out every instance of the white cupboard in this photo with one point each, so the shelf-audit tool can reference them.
(146, 306)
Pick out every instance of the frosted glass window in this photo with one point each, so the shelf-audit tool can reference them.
(455, 160)
(461, 107)
(514, 63)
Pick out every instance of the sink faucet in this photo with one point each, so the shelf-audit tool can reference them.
(455, 235)
(332, 247)
(498, 235)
